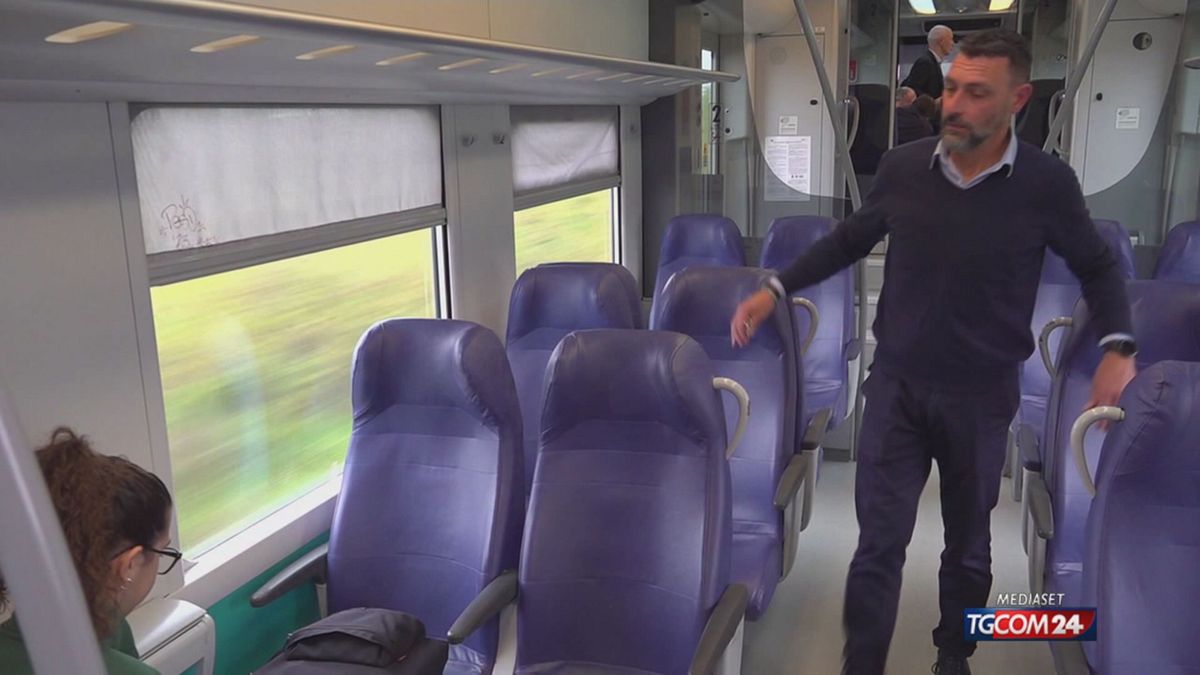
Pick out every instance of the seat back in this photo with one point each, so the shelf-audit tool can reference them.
(627, 538)
(1166, 321)
(547, 303)
(432, 501)
(698, 240)
(1143, 532)
(1179, 259)
(826, 369)
(699, 302)
(1058, 291)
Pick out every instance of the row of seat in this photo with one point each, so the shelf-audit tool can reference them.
(827, 344)
(551, 301)
(1065, 535)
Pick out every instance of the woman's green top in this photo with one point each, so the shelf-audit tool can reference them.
(119, 652)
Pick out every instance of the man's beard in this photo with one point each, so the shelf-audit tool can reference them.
(974, 137)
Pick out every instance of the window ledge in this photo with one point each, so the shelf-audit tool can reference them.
(237, 561)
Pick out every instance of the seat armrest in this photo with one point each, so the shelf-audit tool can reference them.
(1040, 509)
(311, 566)
(793, 476)
(494, 597)
(814, 435)
(852, 349)
(722, 625)
(1028, 448)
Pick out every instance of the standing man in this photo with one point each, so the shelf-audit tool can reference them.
(970, 217)
(926, 74)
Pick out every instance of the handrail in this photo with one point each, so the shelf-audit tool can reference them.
(852, 101)
(843, 148)
(1079, 430)
(38, 568)
(1077, 73)
(743, 400)
(1044, 342)
(812, 325)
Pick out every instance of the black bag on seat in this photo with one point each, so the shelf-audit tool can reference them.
(360, 641)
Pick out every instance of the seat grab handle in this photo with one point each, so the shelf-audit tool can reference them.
(812, 325)
(1079, 430)
(1044, 342)
(743, 400)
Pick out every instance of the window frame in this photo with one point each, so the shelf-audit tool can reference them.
(224, 568)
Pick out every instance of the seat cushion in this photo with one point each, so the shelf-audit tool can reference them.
(579, 668)
(1066, 578)
(466, 661)
(823, 393)
(756, 564)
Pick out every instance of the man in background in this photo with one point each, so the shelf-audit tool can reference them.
(926, 74)
(911, 125)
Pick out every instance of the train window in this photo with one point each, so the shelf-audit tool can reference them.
(566, 169)
(576, 229)
(255, 367)
(275, 237)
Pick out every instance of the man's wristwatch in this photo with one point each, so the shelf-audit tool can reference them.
(1122, 347)
(774, 287)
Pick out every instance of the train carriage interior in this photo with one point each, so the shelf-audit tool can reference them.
(424, 306)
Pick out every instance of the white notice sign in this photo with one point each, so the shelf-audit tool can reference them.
(1128, 118)
(790, 160)
(789, 125)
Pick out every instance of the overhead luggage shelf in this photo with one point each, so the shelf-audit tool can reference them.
(206, 50)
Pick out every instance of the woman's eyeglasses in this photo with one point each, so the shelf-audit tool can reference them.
(168, 558)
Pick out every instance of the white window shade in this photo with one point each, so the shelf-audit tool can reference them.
(553, 146)
(215, 175)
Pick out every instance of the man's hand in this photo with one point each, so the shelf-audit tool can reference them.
(1115, 371)
(749, 315)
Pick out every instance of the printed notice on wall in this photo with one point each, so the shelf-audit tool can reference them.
(789, 125)
(1128, 118)
(789, 159)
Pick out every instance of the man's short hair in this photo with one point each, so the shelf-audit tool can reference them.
(903, 92)
(1002, 43)
(936, 34)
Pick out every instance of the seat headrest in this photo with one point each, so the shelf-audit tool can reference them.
(792, 235)
(1179, 259)
(633, 376)
(700, 301)
(1161, 428)
(1166, 323)
(1055, 270)
(573, 296)
(434, 363)
(716, 238)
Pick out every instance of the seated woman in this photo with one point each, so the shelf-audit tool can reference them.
(116, 518)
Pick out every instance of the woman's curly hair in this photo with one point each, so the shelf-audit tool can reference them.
(106, 505)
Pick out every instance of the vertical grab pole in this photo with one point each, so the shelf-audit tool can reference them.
(1076, 79)
(843, 148)
(37, 567)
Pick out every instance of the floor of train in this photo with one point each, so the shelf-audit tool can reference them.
(802, 631)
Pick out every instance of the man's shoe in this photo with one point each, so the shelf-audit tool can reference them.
(951, 664)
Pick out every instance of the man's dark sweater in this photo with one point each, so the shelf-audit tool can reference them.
(962, 266)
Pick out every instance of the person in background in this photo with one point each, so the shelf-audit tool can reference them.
(116, 520)
(930, 110)
(911, 125)
(926, 74)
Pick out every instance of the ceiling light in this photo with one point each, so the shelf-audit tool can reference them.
(461, 64)
(1000, 5)
(548, 72)
(88, 31)
(508, 69)
(606, 78)
(225, 43)
(324, 53)
(922, 6)
(402, 59)
(638, 78)
(585, 73)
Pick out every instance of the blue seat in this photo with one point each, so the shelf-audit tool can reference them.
(826, 382)
(431, 509)
(1179, 259)
(1166, 321)
(1142, 541)
(625, 562)
(698, 303)
(547, 303)
(698, 240)
(1057, 294)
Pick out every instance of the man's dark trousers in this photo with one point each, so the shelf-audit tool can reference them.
(907, 425)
